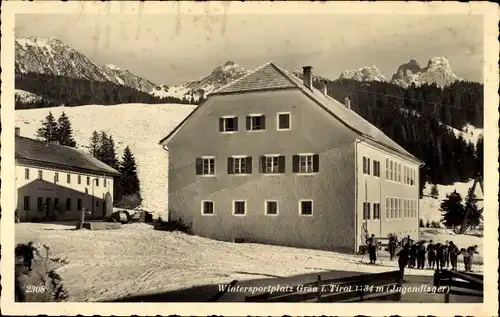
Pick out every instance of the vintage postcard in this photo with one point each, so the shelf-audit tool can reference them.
(328, 157)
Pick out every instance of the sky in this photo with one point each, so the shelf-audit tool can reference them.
(172, 49)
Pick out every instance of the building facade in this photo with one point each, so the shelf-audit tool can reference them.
(56, 182)
(269, 159)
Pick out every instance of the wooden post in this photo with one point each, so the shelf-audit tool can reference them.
(319, 288)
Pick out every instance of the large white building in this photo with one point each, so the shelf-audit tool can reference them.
(57, 182)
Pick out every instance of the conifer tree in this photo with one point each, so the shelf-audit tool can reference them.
(434, 191)
(49, 130)
(129, 181)
(65, 131)
(108, 151)
(95, 145)
(452, 210)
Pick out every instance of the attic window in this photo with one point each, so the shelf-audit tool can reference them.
(256, 122)
(283, 121)
(228, 124)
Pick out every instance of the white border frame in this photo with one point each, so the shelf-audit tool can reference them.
(208, 157)
(300, 207)
(277, 207)
(289, 121)
(240, 157)
(234, 207)
(202, 209)
(255, 115)
(224, 125)
(271, 155)
(312, 164)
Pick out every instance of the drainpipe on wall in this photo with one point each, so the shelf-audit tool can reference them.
(356, 246)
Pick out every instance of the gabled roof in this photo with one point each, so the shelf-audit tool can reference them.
(57, 156)
(270, 77)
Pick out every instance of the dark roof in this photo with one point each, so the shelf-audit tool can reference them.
(269, 76)
(57, 156)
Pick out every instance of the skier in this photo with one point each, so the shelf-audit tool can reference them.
(470, 252)
(453, 252)
(466, 257)
(440, 256)
(421, 255)
(372, 249)
(392, 245)
(403, 260)
(413, 254)
(446, 254)
(431, 254)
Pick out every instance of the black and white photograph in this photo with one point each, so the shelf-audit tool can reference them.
(230, 152)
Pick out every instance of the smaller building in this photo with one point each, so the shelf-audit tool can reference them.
(57, 182)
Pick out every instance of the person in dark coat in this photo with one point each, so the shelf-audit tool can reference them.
(446, 254)
(421, 255)
(372, 249)
(453, 253)
(431, 254)
(439, 256)
(403, 257)
(392, 245)
(413, 255)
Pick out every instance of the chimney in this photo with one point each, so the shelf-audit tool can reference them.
(18, 131)
(347, 102)
(307, 74)
(325, 90)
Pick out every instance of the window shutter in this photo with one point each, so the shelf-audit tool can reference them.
(236, 124)
(262, 164)
(221, 124)
(295, 164)
(249, 164)
(199, 166)
(249, 122)
(281, 164)
(230, 169)
(315, 163)
(263, 122)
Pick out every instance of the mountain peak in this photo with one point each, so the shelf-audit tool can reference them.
(368, 73)
(438, 71)
(229, 63)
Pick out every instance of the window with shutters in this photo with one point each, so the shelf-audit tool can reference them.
(239, 207)
(306, 163)
(239, 165)
(207, 208)
(366, 210)
(376, 168)
(68, 203)
(40, 174)
(366, 165)
(39, 204)
(26, 173)
(228, 124)
(284, 121)
(256, 122)
(27, 203)
(272, 207)
(376, 210)
(306, 207)
(205, 166)
(272, 164)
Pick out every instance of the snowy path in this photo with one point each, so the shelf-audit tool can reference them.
(134, 260)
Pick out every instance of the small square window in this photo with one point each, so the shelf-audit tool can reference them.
(239, 207)
(283, 121)
(26, 173)
(207, 207)
(271, 207)
(68, 178)
(306, 207)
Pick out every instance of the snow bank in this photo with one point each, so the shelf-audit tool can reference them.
(140, 126)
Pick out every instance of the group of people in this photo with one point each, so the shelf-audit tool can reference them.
(413, 254)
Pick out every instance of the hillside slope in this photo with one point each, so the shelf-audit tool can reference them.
(140, 126)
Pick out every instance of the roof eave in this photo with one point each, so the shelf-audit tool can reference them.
(21, 160)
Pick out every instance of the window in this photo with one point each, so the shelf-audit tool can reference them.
(207, 207)
(412, 177)
(366, 165)
(40, 174)
(239, 207)
(271, 207)
(56, 177)
(306, 207)
(39, 204)
(272, 164)
(205, 165)
(386, 168)
(26, 173)
(376, 168)
(68, 203)
(97, 181)
(376, 210)
(88, 180)
(391, 173)
(387, 207)
(79, 206)
(400, 205)
(414, 209)
(56, 204)
(239, 165)
(26, 202)
(284, 121)
(405, 208)
(79, 179)
(306, 163)
(256, 122)
(366, 210)
(228, 124)
(393, 205)
(399, 172)
(104, 182)
(68, 178)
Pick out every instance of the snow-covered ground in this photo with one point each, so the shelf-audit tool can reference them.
(140, 126)
(429, 207)
(469, 132)
(136, 259)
